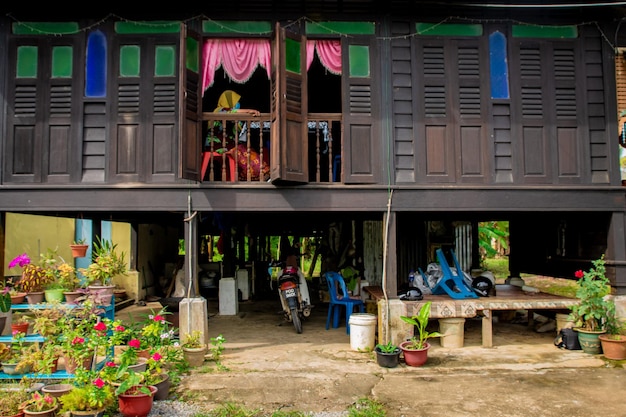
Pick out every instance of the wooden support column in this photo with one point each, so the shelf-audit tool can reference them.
(487, 328)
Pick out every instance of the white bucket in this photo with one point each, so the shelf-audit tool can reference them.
(453, 331)
(562, 322)
(362, 331)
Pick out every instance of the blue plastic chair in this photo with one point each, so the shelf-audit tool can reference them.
(452, 282)
(337, 301)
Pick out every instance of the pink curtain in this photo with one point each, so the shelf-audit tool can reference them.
(241, 57)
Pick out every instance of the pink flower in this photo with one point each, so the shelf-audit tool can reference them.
(21, 260)
(48, 399)
(135, 343)
(159, 318)
(110, 364)
(78, 340)
(98, 382)
(14, 332)
(157, 356)
(100, 326)
(120, 328)
(579, 274)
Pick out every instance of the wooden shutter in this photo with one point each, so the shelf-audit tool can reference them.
(361, 140)
(288, 149)
(190, 96)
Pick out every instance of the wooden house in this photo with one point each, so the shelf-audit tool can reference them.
(395, 127)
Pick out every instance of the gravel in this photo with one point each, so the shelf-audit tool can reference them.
(169, 408)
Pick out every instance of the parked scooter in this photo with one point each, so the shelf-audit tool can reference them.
(294, 294)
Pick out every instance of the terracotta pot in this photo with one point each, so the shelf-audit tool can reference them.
(35, 297)
(71, 364)
(415, 357)
(18, 298)
(19, 414)
(57, 390)
(79, 251)
(87, 413)
(613, 346)
(72, 296)
(103, 294)
(195, 356)
(134, 403)
(48, 413)
(20, 327)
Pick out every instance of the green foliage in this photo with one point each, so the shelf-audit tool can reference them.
(594, 309)
(489, 232)
(388, 347)
(365, 407)
(216, 348)
(421, 322)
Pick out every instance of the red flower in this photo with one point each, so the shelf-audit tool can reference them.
(135, 343)
(78, 340)
(100, 326)
(98, 382)
(157, 356)
(110, 364)
(120, 328)
(579, 274)
(159, 318)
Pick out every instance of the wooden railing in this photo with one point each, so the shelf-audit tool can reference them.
(240, 152)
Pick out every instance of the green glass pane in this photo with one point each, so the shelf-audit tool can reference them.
(238, 27)
(26, 62)
(359, 56)
(147, 27)
(45, 28)
(193, 55)
(62, 60)
(292, 55)
(526, 31)
(343, 28)
(164, 61)
(129, 61)
(448, 29)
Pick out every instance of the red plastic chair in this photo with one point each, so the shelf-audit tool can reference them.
(231, 169)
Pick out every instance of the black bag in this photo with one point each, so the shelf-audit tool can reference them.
(567, 339)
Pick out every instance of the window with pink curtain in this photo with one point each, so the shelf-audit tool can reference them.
(241, 57)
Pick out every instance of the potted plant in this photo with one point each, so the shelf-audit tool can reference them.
(155, 374)
(416, 349)
(11, 401)
(40, 405)
(20, 322)
(135, 398)
(19, 357)
(193, 348)
(91, 395)
(387, 354)
(79, 248)
(591, 313)
(106, 263)
(33, 278)
(613, 342)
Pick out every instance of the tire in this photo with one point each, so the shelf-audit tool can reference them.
(295, 318)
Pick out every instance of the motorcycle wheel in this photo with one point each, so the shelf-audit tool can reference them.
(295, 318)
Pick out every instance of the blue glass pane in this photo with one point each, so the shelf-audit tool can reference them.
(95, 71)
(498, 66)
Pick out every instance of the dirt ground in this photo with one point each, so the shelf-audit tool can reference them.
(268, 366)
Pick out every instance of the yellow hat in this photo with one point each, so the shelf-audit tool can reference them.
(228, 100)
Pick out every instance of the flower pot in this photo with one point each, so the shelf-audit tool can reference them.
(415, 357)
(79, 251)
(387, 359)
(88, 413)
(35, 297)
(163, 388)
(72, 296)
(140, 366)
(47, 413)
(195, 356)
(57, 390)
(71, 364)
(19, 414)
(19, 327)
(54, 295)
(103, 294)
(589, 340)
(10, 368)
(613, 346)
(134, 403)
(18, 298)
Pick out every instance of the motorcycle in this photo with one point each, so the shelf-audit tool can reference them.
(293, 293)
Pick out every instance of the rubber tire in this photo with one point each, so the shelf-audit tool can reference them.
(295, 318)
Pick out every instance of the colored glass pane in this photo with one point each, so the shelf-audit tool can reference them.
(238, 27)
(359, 56)
(45, 28)
(193, 55)
(448, 29)
(528, 31)
(147, 27)
(292, 56)
(26, 62)
(96, 65)
(498, 66)
(164, 61)
(344, 28)
(62, 61)
(129, 61)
